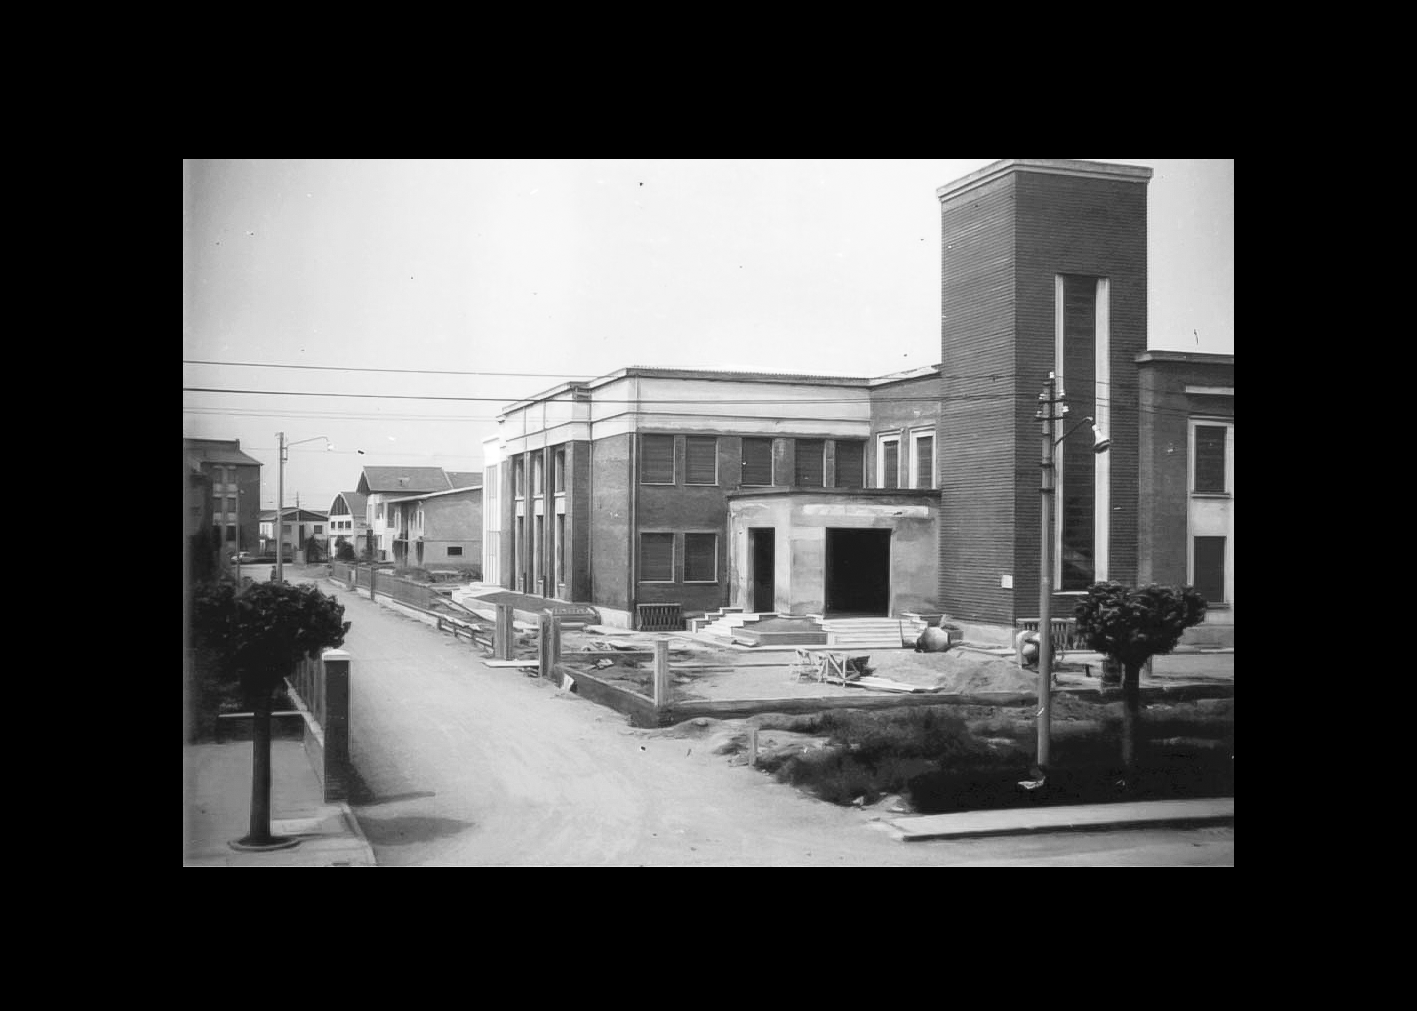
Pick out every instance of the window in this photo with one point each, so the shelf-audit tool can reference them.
(1209, 473)
(922, 461)
(538, 475)
(454, 551)
(560, 547)
(1208, 568)
(657, 459)
(700, 460)
(285, 528)
(559, 472)
(231, 533)
(809, 455)
(656, 558)
(888, 462)
(701, 558)
(519, 477)
(850, 463)
(230, 505)
(319, 529)
(757, 461)
(1080, 358)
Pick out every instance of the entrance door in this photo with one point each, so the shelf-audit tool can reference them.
(858, 576)
(762, 553)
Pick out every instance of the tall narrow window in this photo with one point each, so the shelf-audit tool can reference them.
(519, 477)
(656, 558)
(850, 463)
(1210, 460)
(1208, 568)
(1076, 504)
(809, 456)
(757, 461)
(923, 462)
(560, 547)
(560, 471)
(888, 462)
(538, 465)
(700, 558)
(656, 459)
(700, 460)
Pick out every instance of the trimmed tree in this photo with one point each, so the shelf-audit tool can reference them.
(258, 636)
(1130, 626)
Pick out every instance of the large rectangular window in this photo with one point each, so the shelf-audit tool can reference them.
(701, 558)
(1209, 470)
(700, 460)
(850, 463)
(809, 456)
(1208, 568)
(656, 459)
(757, 461)
(656, 558)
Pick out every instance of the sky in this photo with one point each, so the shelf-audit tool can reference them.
(452, 288)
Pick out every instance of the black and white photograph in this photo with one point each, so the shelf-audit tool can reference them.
(708, 512)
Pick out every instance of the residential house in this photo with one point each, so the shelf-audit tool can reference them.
(349, 522)
(297, 528)
(223, 491)
(380, 484)
(439, 528)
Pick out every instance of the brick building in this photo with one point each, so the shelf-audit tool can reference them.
(1044, 269)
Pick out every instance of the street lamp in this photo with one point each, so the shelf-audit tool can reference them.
(280, 493)
(1100, 444)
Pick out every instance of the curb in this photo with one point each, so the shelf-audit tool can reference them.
(1084, 818)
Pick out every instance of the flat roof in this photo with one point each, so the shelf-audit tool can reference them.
(1047, 166)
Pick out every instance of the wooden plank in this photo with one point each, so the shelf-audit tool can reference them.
(511, 663)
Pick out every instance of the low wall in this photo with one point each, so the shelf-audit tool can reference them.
(320, 689)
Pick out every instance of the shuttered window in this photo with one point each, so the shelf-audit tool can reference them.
(656, 558)
(924, 461)
(1208, 565)
(1210, 459)
(809, 462)
(890, 463)
(700, 558)
(850, 463)
(757, 461)
(657, 459)
(700, 460)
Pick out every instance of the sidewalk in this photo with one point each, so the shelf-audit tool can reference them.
(1082, 817)
(216, 791)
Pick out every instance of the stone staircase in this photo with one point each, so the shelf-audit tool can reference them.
(721, 624)
(871, 633)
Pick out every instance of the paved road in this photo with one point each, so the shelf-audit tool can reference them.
(465, 765)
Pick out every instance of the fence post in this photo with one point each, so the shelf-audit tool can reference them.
(502, 635)
(372, 570)
(335, 721)
(543, 644)
(661, 674)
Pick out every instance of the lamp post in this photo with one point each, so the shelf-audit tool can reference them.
(280, 494)
(1047, 400)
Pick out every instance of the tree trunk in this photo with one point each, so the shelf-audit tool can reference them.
(1131, 718)
(260, 828)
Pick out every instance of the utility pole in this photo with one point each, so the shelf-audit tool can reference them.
(1049, 417)
(280, 506)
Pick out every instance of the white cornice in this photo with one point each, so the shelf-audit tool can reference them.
(1045, 166)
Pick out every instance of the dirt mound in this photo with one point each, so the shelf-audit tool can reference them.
(958, 671)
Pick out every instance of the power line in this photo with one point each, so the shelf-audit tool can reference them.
(417, 372)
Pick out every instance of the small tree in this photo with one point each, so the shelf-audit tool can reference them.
(344, 551)
(258, 636)
(1130, 626)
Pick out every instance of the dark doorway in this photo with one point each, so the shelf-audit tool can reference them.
(858, 577)
(762, 553)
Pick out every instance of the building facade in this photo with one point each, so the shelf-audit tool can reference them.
(1043, 271)
(228, 494)
(438, 529)
(378, 485)
(617, 491)
(349, 522)
(1187, 482)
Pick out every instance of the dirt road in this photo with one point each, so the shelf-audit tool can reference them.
(465, 765)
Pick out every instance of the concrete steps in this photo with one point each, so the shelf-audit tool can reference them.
(871, 633)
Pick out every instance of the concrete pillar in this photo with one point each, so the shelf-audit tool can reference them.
(661, 674)
(503, 636)
(336, 663)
